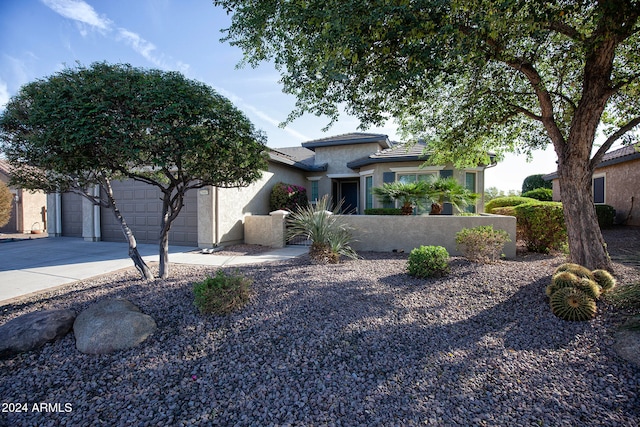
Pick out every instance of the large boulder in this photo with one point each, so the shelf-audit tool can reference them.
(111, 325)
(33, 330)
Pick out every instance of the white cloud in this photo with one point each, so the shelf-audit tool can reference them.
(141, 46)
(80, 12)
(4, 95)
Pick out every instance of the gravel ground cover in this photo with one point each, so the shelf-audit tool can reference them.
(355, 344)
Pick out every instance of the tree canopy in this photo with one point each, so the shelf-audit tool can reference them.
(469, 76)
(89, 125)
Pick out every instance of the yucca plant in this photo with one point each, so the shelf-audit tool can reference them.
(329, 238)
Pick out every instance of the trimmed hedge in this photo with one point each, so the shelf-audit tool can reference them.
(541, 225)
(506, 201)
(542, 194)
(383, 211)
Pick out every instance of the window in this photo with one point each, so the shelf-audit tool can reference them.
(423, 207)
(368, 189)
(470, 184)
(314, 191)
(598, 189)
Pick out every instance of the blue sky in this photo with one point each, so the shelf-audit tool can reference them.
(40, 37)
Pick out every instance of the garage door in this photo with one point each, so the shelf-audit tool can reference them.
(141, 206)
(71, 214)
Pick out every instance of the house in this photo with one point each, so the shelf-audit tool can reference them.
(28, 212)
(344, 167)
(616, 182)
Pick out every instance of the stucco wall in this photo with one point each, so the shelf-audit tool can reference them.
(381, 233)
(622, 182)
(222, 223)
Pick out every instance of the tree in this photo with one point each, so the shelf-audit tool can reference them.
(409, 194)
(470, 76)
(448, 190)
(118, 121)
(6, 203)
(533, 182)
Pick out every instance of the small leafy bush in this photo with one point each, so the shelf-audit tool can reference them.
(428, 261)
(535, 181)
(383, 211)
(541, 225)
(507, 201)
(483, 243)
(542, 194)
(606, 215)
(222, 293)
(287, 197)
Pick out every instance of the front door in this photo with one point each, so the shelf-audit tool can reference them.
(349, 193)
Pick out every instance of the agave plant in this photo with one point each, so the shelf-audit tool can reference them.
(329, 238)
(448, 190)
(410, 194)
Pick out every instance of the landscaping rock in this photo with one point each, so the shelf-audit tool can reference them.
(111, 325)
(33, 330)
(627, 345)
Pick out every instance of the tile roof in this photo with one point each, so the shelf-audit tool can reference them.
(298, 157)
(5, 168)
(398, 153)
(624, 154)
(349, 139)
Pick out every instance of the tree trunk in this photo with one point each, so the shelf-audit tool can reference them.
(436, 209)
(165, 226)
(586, 244)
(139, 263)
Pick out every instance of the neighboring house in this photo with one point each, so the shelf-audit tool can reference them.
(29, 208)
(616, 182)
(343, 167)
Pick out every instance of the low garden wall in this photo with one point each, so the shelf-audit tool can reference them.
(386, 233)
(382, 233)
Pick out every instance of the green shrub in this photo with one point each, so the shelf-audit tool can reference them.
(428, 261)
(542, 194)
(383, 211)
(507, 201)
(535, 181)
(287, 197)
(222, 293)
(541, 225)
(483, 243)
(606, 215)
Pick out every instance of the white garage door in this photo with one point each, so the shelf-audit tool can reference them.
(71, 214)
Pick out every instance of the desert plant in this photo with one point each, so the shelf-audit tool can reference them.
(428, 261)
(562, 279)
(450, 191)
(542, 194)
(483, 243)
(507, 201)
(604, 279)
(572, 304)
(6, 203)
(626, 296)
(329, 238)
(409, 194)
(222, 293)
(287, 197)
(590, 287)
(576, 269)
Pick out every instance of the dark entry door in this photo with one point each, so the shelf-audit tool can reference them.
(349, 192)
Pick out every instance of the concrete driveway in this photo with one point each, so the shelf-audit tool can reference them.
(28, 266)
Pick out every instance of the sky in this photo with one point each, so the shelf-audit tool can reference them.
(40, 37)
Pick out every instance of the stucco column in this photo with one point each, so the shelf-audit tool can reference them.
(54, 215)
(279, 228)
(206, 217)
(90, 220)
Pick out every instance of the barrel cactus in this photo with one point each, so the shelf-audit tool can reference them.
(576, 269)
(590, 287)
(604, 279)
(572, 304)
(561, 280)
